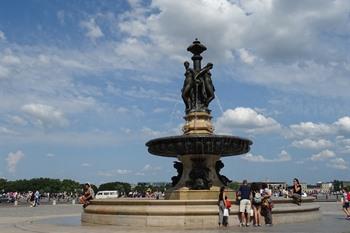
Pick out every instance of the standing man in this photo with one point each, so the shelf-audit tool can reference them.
(36, 198)
(245, 195)
(345, 203)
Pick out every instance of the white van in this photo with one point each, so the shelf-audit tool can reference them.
(107, 194)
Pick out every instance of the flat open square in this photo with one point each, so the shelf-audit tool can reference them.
(66, 218)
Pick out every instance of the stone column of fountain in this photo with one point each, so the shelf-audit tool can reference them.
(198, 150)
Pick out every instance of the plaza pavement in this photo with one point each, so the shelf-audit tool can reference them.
(66, 219)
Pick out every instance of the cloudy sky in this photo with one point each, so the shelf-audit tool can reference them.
(84, 84)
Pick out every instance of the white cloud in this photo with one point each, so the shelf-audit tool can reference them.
(4, 72)
(291, 47)
(312, 144)
(133, 53)
(246, 56)
(150, 168)
(12, 159)
(50, 155)
(310, 129)
(60, 16)
(6, 131)
(85, 165)
(343, 144)
(148, 132)
(245, 118)
(325, 154)
(113, 173)
(282, 157)
(2, 36)
(160, 110)
(10, 60)
(45, 115)
(93, 30)
(17, 120)
(338, 163)
(343, 124)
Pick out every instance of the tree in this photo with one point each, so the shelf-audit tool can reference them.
(337, 185)
(70, 186)
(2, 184)
(233, 185)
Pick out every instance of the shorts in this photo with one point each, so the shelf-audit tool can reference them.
(346, 205)
(245, 206)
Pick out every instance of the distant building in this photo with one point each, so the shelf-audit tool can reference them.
(303, 187)
(326, 187)
(276, 185)
(313, 188)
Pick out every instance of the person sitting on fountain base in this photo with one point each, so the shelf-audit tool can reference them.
(88, 195)
(296, 192)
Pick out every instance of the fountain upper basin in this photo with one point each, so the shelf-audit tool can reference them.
(198, 144)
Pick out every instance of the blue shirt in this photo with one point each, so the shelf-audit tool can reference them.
(244, 190)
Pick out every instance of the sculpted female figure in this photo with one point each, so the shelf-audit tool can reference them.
(188, 86)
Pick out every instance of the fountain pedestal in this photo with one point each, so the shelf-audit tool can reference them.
(206, 164)
(198, 123)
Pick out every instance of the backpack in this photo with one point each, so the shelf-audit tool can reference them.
(348, 196)
(228, 204)
(257, 198)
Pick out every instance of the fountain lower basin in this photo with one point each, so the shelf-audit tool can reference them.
(185, 213)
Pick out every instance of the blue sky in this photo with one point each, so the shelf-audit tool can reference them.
(84, 84)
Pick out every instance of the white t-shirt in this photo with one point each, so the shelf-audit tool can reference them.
(268, 191)
(345, 197)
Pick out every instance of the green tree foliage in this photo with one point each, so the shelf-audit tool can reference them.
(234, 186)
(337, 185)
(42, 185)
(2, 184)
(70, 186)
(48, 185)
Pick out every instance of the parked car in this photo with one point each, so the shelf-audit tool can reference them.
(107, 194)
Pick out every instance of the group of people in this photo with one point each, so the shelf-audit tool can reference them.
(254, 201)
(34, 198)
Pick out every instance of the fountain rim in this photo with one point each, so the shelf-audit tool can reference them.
(179, 138)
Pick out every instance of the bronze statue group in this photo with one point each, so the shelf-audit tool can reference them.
(198, 89)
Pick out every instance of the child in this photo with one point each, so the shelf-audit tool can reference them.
(227, 210)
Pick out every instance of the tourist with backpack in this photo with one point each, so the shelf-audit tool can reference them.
(257, 199)
(266, 204)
